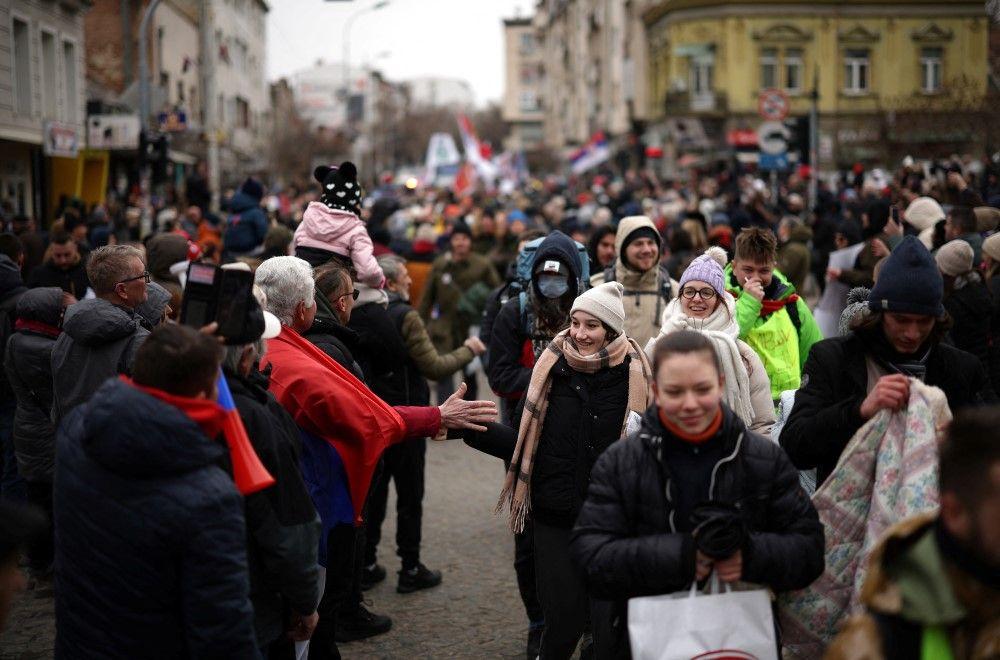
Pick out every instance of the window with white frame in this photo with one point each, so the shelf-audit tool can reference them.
(793, 70)
(527, 43)
(768, 68)
(856, 71)
(930, 69)
(21, 57)
(702, 72)
(50, 84)
(69, 70)
(528, 101)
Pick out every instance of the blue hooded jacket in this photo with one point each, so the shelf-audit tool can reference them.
(246, 225)
(151, 554)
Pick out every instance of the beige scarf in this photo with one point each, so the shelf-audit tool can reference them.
(722, 330)
(516, 493)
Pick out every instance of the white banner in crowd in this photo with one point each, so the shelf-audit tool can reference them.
(834, 300)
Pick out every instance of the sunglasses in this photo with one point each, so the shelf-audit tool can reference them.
(704, 294)
(142, 276)
(354, 294)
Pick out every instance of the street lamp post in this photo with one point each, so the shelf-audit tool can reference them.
(381, 4)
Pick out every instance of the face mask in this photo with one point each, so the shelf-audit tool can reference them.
(553, 286)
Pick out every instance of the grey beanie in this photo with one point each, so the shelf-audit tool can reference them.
(604, 302)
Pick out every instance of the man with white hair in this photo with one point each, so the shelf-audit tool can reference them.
(333, 409)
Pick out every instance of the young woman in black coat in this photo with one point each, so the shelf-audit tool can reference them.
(581, 391)
(691, 492)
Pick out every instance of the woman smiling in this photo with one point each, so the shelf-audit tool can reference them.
(579, 397)
(705, 306)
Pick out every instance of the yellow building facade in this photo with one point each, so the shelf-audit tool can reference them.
(887, 72)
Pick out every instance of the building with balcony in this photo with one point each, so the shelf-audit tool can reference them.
(893, 77)
(522, 94)
(594, 70)
(42, 106)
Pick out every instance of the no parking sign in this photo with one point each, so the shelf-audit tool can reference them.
(773, 104)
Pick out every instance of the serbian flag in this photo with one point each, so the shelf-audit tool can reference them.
(249, 473)
(590, 155)
(476, 152)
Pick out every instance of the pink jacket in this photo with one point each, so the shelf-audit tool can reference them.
(342, 233)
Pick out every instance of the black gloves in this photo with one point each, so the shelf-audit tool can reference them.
(719, 530)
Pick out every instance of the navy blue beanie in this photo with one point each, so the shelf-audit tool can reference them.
(909, 282)
(253, 188)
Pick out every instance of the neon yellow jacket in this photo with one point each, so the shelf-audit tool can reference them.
(782, 348)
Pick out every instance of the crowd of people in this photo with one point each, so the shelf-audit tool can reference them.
(668, 407)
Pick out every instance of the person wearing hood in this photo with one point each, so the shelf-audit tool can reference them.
(151, 556)
(847, 380)
(520, 334)
(406, 385)
(11, 290)
(582, 389)
(648, 286)
(794, 255)
(967, 301)
(162, 252)
(27, 364)
(101, 335)
(246, 225)
(691, 492)
(63, 267)
(931, 589)
(332, 227)
(157, 307)
(705, 306)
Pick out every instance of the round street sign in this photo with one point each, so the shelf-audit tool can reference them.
(772, 136)
(772, 104)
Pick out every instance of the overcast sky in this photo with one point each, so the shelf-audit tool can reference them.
(407, 39)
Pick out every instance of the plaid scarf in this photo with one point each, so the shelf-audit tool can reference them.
(516, 489)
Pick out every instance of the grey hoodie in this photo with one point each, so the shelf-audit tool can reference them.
(99, 341)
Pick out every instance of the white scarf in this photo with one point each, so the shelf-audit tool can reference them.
(722, 330)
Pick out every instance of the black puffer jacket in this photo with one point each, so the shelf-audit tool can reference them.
(827, 411)
(28, 363)
(99, 341)
(512, 338)
(11, 290)
(333, 338)
(282, 526)
(970, 307)
(151, 560)
(73, 281)
(381, 348)
(625, 542)
(585, 415)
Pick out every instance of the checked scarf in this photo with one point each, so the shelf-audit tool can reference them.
(516, 490)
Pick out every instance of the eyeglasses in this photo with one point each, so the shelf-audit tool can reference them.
(144, 275)
(704, 294)
(354, 294)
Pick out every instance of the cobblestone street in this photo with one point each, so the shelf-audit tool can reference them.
(475, 613)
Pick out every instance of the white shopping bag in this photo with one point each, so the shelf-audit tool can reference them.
(735, 625)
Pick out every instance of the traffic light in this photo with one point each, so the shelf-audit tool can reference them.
(799, 139)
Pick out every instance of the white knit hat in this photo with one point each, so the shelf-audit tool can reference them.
(924, 212)
(604, 302)
(954, 258)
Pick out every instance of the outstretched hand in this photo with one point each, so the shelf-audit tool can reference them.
(456, 413)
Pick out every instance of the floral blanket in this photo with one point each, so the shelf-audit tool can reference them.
(887, 472)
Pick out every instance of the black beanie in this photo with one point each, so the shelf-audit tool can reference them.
(460, 227)
(341, 189)
(641, 232)
(253, 188)
(909, 282)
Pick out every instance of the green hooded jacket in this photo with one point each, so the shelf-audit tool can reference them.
(782, 348)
